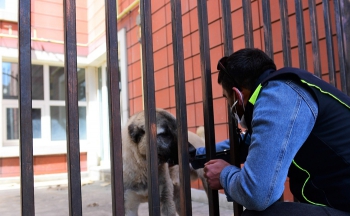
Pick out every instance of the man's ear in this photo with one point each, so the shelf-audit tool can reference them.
(136, 132)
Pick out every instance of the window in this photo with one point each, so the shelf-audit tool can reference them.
(2, 4)
(49, 104)
(9, 10)
(9, 80)
(12, 123)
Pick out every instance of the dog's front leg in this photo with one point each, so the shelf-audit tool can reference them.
(166, 188)
(131, 203)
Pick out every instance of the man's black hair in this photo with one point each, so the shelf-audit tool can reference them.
(244, 66)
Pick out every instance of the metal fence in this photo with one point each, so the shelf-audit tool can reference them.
(342, 20)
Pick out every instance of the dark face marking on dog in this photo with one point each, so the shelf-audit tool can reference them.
(136, 132)
(167, 145)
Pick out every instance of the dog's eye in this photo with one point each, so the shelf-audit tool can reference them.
(160, 130)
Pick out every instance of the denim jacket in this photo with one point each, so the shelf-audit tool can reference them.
(283, 117)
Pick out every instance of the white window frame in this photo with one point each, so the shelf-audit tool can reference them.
(10, 12)
(44, 145)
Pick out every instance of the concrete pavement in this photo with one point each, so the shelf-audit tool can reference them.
(51, 199)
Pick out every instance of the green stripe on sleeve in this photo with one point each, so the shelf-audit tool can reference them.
(324, 92)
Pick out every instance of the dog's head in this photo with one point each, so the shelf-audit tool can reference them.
(166, 136)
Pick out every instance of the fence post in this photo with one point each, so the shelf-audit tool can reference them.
(181, 112)
(72, 115)
(114, 109)
(25, 109)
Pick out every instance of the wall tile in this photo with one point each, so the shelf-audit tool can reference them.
(193, 4)
(199, 114)
(214, 10)
(172, 99)
(188, 69)
(215, 55)
(135, 53)
(195, 43)
(156, 5)
(235, 5)
(169, 34)
(161, 79)
(186, 28)
(220, 110)
(159, 39)
(215, 37)
(137, 87)
(134, 36)
(160, 58)
(158, 19)
(162, 98)
(187, 46)
(168, 15)
(189, 92)
(191, 115)
(170, 55)
(194, 20)
(171, 75)
(185, 6)
(131, 107)
(237, 23)
(197, 71)
(136, 70)
(138, 104)
(221, 132)
(198, 95)
(216, 88)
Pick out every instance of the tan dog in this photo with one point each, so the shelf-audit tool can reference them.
(135, 163)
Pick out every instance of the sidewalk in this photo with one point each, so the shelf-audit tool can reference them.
(51, 199)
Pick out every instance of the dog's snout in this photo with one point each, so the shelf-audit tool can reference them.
(192, 151)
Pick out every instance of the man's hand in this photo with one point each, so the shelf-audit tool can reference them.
(212, 170)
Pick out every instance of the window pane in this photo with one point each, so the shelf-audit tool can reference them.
(57, 83)
(36, 119)
(81, 84)
(82, 123)
(12, 123)
(2, 4)
(37, 82)
(9, 80)
(58, 122)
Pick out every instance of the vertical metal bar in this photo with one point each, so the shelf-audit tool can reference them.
(329, 43)
(287, 59)
(150, 110)
(227, 27)
(181, 113)
(301, 34)
(248, 24)
(339, 27)
(345, 14)
(266, 10)
(25, 109)
(114, 109)
(314, 38)
(70, 70)
(207, 97)
(228, 49)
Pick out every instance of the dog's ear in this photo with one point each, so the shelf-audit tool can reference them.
(136, 132)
